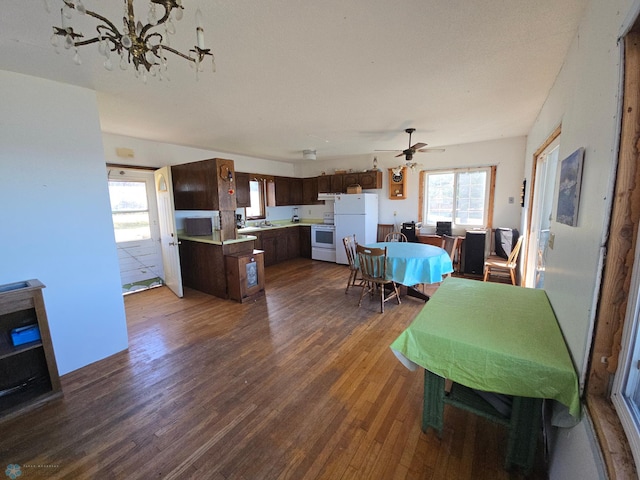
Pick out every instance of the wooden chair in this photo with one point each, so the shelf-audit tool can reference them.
(450, 245)
(383, 230)
(373, 265)
(509, 265)
(395, 237)
(350, 247)
(435, 240)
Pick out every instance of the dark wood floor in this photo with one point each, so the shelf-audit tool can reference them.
(300, 384)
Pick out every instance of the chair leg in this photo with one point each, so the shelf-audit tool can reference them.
(352, 280)
(365, 288)
(512, 271)
(486, 274)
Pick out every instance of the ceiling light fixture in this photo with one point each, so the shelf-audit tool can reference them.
(141, 45)
(308, 154)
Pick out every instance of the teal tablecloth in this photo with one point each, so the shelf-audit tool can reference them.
(411, 263)
(492, 337)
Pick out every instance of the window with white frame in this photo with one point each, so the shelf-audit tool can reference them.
(626, 387)
(257, 193)
(459, 196)
(129, 210)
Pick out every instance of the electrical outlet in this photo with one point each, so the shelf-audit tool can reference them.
(511, 200)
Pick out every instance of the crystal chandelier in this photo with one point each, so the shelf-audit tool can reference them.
(144, 46)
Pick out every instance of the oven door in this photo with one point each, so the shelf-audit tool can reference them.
(323, 243)
(323, 236)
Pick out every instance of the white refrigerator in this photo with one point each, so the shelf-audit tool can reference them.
(355, 213)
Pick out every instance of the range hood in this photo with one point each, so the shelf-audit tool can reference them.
(327, 196)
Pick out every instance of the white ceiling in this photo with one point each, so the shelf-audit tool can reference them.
(344, 77)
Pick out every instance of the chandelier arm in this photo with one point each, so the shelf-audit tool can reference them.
(165, 17)
(105, 20)
(176, 52)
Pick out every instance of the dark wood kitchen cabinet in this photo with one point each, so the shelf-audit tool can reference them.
(337, 184)
(295, 192)
(203, 264)
(305, 241)
(279, 244)
(243, 191)
(245, 275)
(204, 185)
(283, 191)
(310, 191)
(350, 179)
(324, 184)
(370, 180)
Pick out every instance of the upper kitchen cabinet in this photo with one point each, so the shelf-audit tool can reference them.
(295, 192)
(370, 180)
(310, 191)
(204, 185)
(338, 183)
(243, 192)
(283, 190)
(324, 184)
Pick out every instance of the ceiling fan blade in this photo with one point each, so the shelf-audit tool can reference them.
(386, 150)
(432, 150)
(418, 146)
(402, 154)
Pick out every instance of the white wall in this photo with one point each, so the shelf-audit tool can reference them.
(584, 99)
(507, 154)
(156, 154)
(55, 215)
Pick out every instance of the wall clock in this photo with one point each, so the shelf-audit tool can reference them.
(397, 183)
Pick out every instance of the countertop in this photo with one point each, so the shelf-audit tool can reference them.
(214, 238)
(244, 234)
(279, 224)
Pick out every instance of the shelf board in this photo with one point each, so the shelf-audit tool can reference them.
(9, 351)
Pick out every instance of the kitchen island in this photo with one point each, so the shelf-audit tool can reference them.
(202, 260)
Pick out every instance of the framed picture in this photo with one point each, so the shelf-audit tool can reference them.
(569, 188)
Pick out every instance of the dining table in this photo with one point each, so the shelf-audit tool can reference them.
(411, 264)
(503, 349)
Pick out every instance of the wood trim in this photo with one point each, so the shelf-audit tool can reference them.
(492, 190)
(421, 180)
(617, 456)
(131, 167)
(532, 181)
(621, 244)
(492, 193)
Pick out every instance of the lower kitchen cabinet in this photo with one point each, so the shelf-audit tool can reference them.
(281, 244)
(245, 275)
(203, 266)
(305, 241)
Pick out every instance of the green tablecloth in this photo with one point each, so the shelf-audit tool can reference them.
(492, 337)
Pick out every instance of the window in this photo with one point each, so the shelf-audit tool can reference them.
(129, 210)
(257, 193)
(460, 196)
(626, 388)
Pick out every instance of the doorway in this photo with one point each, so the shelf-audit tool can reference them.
(135, 223)
(543, 193)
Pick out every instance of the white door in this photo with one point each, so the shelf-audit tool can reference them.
(168, 236)
(542, 210)
(135, 223)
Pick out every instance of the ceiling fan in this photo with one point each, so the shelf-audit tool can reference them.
(409, 152)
